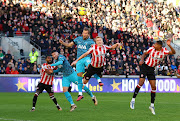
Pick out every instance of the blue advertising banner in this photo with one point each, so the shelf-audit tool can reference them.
(28, 84)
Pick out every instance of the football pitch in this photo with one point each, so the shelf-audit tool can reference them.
(111, 107)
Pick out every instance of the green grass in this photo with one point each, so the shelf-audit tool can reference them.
(111, 107)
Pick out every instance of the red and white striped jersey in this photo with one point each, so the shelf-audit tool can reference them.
(98, 55)
(45, 78)
(155, 57)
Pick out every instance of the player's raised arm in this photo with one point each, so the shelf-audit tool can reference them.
(66, 44)
(115, 46)
(82, 56)
(172, 52)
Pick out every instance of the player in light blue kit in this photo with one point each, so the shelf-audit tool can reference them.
(83, 44)
(69, 75)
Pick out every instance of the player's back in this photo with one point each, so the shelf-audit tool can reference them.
(65, 68)
(83, 45)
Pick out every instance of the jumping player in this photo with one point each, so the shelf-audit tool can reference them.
(83, 44)
(156, 55)
(98, 60)
(46, 83)
(69, 75)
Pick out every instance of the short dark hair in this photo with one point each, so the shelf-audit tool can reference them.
(86, 29)
(159, 42)
(53, 51)
(47, 56)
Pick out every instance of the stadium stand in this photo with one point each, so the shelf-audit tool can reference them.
(114, 20)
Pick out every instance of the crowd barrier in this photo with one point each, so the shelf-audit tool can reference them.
(112, 84)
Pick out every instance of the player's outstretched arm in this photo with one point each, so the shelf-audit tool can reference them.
(56, 71)
(82, 56)
(57, 63)
(115, 46)
(172, 52)
(66, 44)
(142, 58)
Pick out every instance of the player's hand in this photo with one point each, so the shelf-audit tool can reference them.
(118, 45)
(51, 71)
(168, 42)
(73, 63)
(61, 41)
(141, 62)
(48, 66)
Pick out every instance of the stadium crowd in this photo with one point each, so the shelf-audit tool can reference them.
(134, 23)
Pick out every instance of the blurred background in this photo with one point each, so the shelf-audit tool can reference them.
(31, 29)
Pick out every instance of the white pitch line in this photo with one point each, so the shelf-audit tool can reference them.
(13, 119)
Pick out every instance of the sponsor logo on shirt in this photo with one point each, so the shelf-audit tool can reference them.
(82, 46)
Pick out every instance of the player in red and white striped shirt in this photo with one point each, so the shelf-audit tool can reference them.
(98, 59)
(157, 53)
(46, 83)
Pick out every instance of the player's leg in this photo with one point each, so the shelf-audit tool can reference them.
(87, 63)
(153, 95)
(39, 90)
(87, 76)
(80, 96)
(152, 80)
(141, 82)
(80, 68)
(66, 84)
(136, 91)
(50, 91)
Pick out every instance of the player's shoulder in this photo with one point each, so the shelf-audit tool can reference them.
(164, 49)
(151, 48)
(44, 64)
(79, 38)
(90, 40)
(61, 56)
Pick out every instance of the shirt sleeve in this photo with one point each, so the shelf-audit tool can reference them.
(166, 52)
(44, 68)
(149, 50)
(60, 62)
(107, 47)
(90, 50)
(57, 63)
(56, 71)
(75, 40)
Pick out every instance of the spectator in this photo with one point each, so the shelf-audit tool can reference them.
(173, 66)
(38, 68)
(29, 69)
(178, 70)
(1, 56)
(159, 72)
(20, 70)
(14, 71)
(9, 68)
(34, 71)
(26, 71)
(33, 55)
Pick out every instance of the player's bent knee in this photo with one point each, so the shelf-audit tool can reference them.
(153, 88)
(36, 94)
(80, 74)
(50, 94)
(65, 89)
